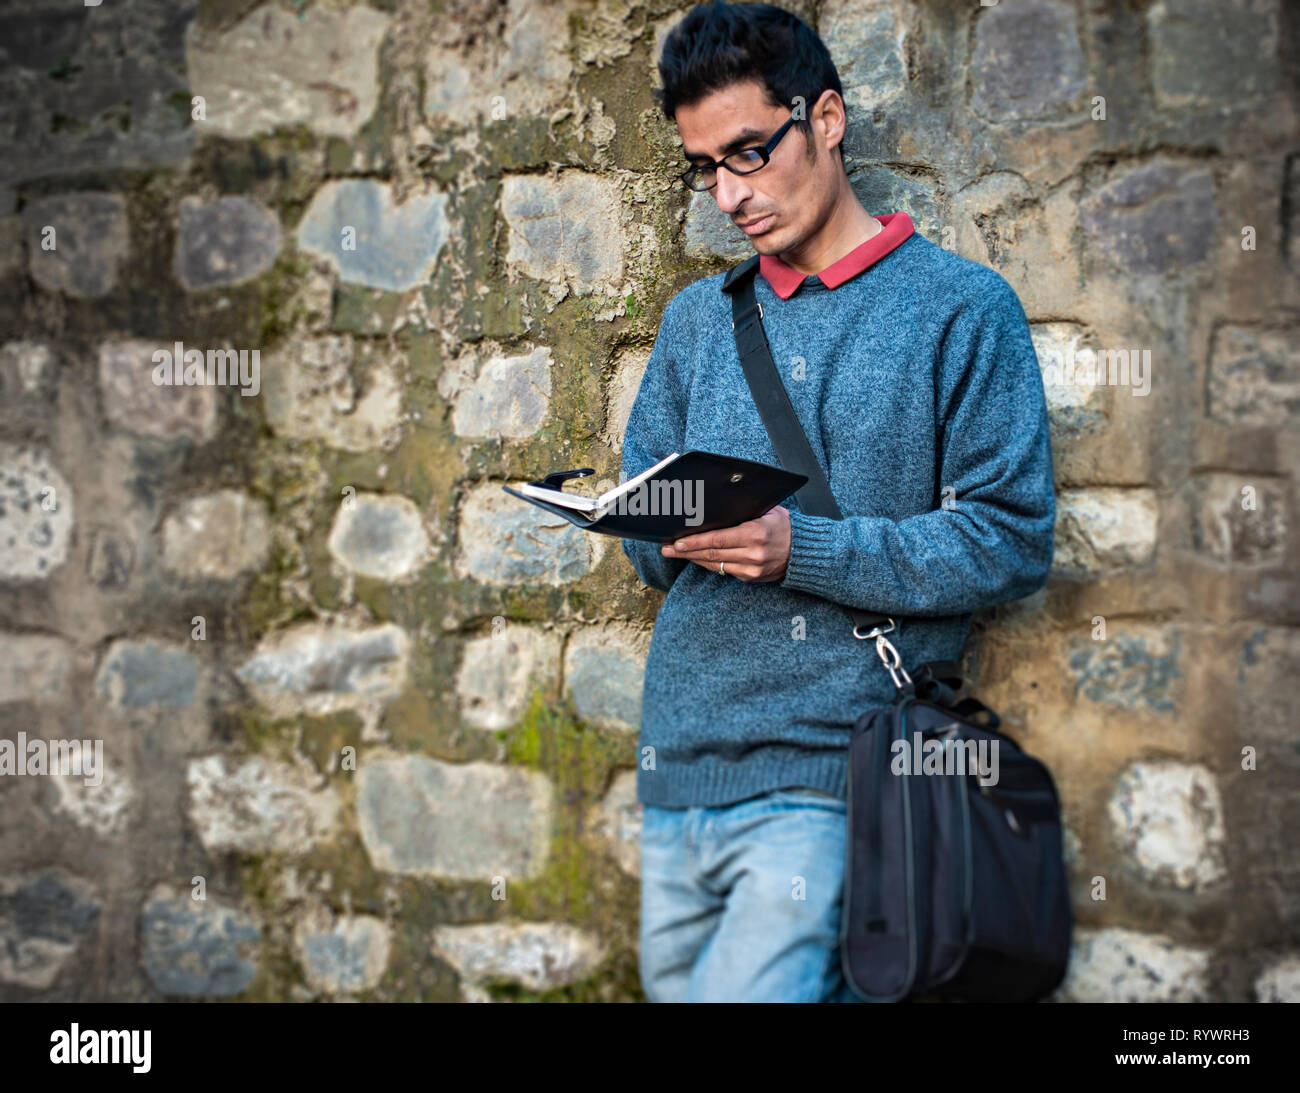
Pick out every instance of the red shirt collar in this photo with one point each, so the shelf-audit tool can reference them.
(895, 227)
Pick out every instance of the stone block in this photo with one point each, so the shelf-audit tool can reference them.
(1103, 529)
(76, 243)
(1240, 519)
(1157, 217)
(216, 536)
(1027, 61)
(498, 671)
(197, 948)
(318, 67)
(618, 822)
(566, 230)
(505, 540)
(357, 227)
(604, 668)
(222, 242)
(133, 401)
(460, 821)
(36, 514)
(521, 67)
(1279, 981)
(1118, 965)
(345, 956)
(34, 668)
(1254, 376)
(498, 394)
(143, 674)
(536, 955)
(258, 805)
(379, 535)
(1206, 54)
(1133, 668)
(43, 917)
(1169, 818)
(320, 670)
(347, 394)
(106, 808)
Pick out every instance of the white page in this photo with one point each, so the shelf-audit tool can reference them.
(592, 505)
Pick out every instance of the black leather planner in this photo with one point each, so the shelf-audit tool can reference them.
(724, 491)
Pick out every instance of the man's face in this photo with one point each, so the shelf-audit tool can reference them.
(787, 199)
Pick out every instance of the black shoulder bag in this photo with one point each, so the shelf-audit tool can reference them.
(953, 887)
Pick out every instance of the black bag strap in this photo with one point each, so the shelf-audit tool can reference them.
(937, 681)
(782, 422)
(774, 406)
(972, 709)
(940, 671)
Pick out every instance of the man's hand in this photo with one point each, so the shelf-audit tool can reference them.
(757, 550)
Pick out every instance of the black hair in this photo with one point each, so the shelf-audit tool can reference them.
(718, 44)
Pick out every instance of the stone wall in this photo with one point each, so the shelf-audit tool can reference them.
(367, 722)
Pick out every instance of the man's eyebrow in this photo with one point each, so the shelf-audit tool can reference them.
(744, 140)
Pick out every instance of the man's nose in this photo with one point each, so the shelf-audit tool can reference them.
(731, 190)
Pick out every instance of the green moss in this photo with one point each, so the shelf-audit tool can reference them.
(413, 974)
(580, 761)
(338, 156)
(425, 466)
(326, 587)
(525, 742)
(350, 871)
(261, 733)
(220, 14)
(324, 738)
(281, 312)
(277, 973)
(267, 607)
(424, 718)
(376, 594)
(62, 69)
(359, 309)
(182, 104)
(518, 141)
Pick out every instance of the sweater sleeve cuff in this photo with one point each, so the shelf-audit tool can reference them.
(813, 562)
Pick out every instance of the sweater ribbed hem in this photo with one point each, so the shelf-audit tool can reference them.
(712, 782)
(812, 553)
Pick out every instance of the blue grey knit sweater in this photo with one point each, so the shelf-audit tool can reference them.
(918, 386)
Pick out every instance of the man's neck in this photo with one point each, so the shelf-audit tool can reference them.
(847, 229)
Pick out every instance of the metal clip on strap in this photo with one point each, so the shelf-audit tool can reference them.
(887, 653)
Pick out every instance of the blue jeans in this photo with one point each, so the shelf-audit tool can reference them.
(742, 903)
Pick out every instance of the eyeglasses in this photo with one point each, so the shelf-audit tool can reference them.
(704, 176)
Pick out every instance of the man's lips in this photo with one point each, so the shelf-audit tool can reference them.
(758, 226)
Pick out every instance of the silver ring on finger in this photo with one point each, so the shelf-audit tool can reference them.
(722, 566)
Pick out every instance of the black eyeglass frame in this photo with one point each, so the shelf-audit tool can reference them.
(764, 150)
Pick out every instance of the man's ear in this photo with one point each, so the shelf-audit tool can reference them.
(829, 109)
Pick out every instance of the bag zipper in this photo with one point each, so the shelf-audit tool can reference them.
(875, 915)
(961, 843)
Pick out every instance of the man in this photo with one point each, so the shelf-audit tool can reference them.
(912, 371)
